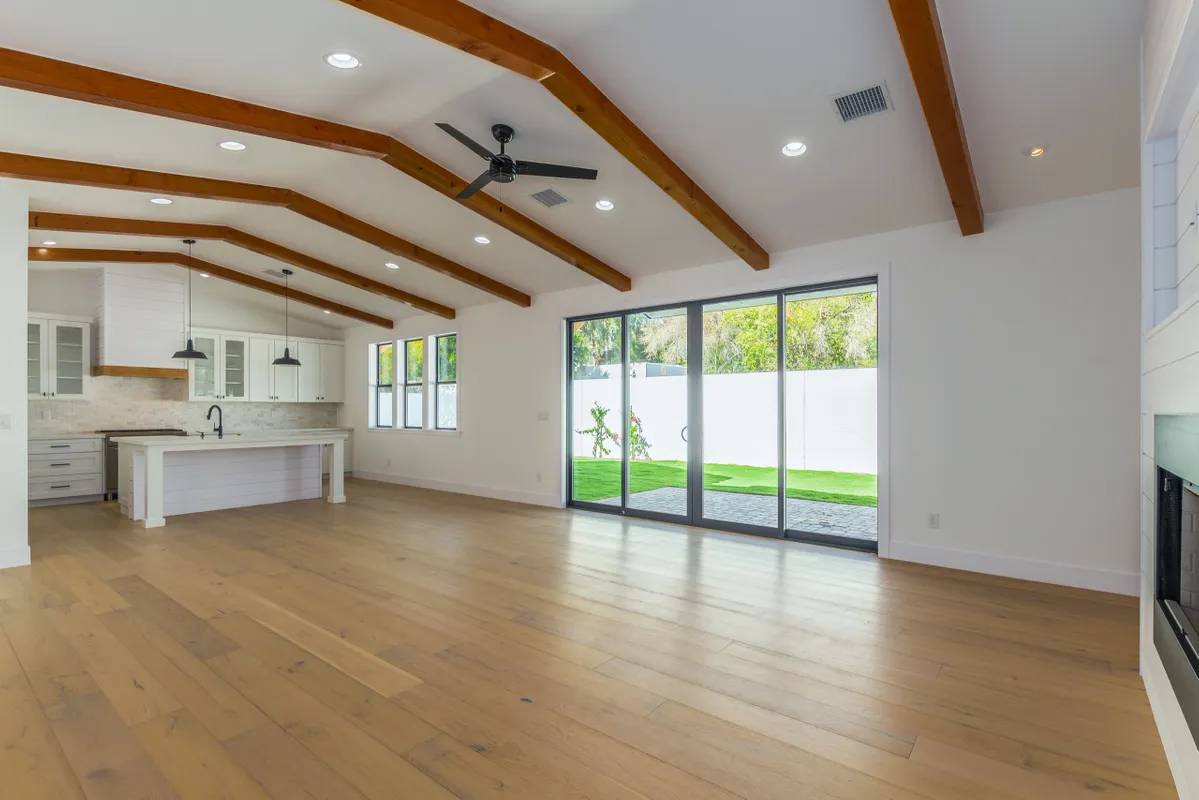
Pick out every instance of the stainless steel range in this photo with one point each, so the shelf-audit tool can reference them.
(111, 448)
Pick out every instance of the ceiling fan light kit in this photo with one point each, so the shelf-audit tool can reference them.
(503, 168)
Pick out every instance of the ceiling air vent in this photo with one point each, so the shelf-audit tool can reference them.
(549, 198)
(863, 103)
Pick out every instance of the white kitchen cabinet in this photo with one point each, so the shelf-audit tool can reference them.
(332, 373)
(318, 379)
(285, 381)
(321, 365)
(221, 376)
(70, 469)
(58, 358)
(309, 354)
(270, 383)
(235, 364)
(262, 350)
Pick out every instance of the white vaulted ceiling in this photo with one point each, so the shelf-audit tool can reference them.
(719, 87)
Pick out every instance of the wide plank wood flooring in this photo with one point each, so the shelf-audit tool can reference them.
(413, 644)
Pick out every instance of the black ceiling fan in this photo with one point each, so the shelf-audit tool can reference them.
(503, 168)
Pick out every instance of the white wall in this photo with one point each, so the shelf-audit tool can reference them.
(14, 446)
(1012, 396)
(1170, 352)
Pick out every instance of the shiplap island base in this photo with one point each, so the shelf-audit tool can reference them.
(161, 476)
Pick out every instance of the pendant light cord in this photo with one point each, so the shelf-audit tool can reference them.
(190, 269)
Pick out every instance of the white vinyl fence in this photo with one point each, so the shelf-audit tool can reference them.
(832, 417)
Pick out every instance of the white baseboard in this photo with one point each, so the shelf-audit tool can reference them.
(14, 557)
(1181, 753)
(1103, 580)
(529, 498)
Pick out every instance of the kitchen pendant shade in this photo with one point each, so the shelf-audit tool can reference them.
(190, 352)
(286, 360)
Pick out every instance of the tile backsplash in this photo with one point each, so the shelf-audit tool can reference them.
(152, 403)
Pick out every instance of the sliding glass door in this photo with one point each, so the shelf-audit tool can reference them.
(831, 413)
(740, 402)
(656, 423)
(755, 414)
(597, 397)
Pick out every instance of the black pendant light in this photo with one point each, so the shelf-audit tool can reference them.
(190, 352)
(285, 360)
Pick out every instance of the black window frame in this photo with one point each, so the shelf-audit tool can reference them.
(694, 515)
(437, 383)
(421, 383)
(378, 346)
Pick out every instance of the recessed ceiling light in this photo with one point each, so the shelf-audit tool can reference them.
(49, 243)
(1036, 151)
(392, 265)
(793, 149)
(343, 60)
(327, 311)
(161, 201)
(605, 205)
(480, 239)
(205, 275)
(235, 147)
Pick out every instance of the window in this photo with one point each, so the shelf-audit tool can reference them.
(445, 384)
(383, 385)
(414, 383)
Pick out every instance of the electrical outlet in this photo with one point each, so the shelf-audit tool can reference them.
(389, 462)
(934, 520)
(539, 477)
(543, 416)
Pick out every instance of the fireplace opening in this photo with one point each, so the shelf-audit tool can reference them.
(1178, 558)
(1176, 567)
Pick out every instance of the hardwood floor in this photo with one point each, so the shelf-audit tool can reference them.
(411, 644)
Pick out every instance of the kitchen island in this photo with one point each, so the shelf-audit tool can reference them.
(161, 476)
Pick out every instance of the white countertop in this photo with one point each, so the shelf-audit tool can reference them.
(237, 439)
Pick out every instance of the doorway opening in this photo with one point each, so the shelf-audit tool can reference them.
(756, 413)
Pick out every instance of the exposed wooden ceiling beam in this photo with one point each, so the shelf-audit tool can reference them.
(470, 30)
(62, 79)
(49, 221)
(80, 173)
(920, 32)
(101, 256)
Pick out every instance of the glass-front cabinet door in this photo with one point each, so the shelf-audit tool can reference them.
(69, 354)
(203, 373)
(234, 355)
(35, 358)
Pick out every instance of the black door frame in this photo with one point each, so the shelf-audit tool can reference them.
(694, 514)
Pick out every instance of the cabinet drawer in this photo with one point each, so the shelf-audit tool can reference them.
(66, 464)
(66, 486)
(53, 446)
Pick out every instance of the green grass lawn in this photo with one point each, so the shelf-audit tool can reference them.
(599, 478)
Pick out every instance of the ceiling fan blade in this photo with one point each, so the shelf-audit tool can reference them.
(554, 170)
(475, 185)
(479, 149)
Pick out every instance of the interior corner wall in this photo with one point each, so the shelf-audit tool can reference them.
(1013, 394)
(14, 443)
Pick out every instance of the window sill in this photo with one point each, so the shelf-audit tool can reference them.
(416, 431)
